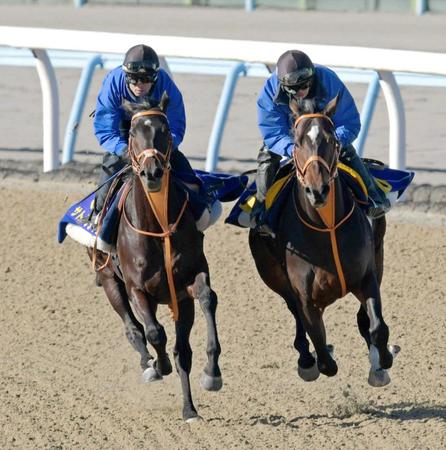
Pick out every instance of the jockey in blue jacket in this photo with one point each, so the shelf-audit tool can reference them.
(138, 79)
(297, 77)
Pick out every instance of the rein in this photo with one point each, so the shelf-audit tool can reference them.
(328, 212)
(158, 202)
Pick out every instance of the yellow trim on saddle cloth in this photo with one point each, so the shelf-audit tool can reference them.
(384, 185)
(355, 175)
(274, 190)
(271, 195)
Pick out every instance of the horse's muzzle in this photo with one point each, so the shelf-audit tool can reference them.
(153, 181)
(318, 198)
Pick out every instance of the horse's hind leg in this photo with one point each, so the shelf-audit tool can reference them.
(117, 295)
(183, 356)
(211, 379)
(375, 331)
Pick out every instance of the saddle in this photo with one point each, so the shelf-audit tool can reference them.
(392, 182)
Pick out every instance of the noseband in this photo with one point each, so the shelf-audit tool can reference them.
(139, 161)
(331, 169)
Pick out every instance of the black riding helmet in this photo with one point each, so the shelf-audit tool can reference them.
(141, 63)
(294, 71)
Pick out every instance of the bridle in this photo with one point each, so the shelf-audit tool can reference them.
(331, 168)
(138, 161)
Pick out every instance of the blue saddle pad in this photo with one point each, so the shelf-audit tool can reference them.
(77, 214)
(215, 186)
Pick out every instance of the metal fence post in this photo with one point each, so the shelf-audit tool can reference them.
(222, 114)
(397, 120)
(78, 107)
(421, 6)
(50, 97)
(367, 113)
(250, 5)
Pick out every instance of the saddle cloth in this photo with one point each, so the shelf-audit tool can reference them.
(215, 187)
(392, 182)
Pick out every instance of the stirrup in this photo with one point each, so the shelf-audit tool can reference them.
(378, 210)
(265, 230)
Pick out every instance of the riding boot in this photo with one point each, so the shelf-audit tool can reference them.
(380, 203)
(268, 165)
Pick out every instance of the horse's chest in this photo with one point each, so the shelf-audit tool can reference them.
(155, 279)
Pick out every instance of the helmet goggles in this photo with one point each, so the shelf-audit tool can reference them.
(134, 78)
(298, 78)
(140, 71)
(293, 90)
(139, 66)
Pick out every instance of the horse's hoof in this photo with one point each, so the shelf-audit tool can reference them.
(150, 374)
(194, 419)
(310, 374)
(379, 378)
(163, 367)
(210, 383)
(394, 349)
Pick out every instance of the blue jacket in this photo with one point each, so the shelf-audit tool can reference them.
(111, 122)
(274, 114)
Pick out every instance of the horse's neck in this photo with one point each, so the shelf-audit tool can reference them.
(341, 202)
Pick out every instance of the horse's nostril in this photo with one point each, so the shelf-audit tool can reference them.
(308, 190)
(325, 189)
(158, 173)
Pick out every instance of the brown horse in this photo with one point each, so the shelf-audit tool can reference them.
(324, 248)
(161, 259)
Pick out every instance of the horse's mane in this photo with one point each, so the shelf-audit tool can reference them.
(306, 106)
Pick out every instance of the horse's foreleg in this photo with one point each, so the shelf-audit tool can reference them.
(306, 364)
(183, 355)
(155, 335)
(211, 379)
(377, 335)
(362, 319)
(117, 295)
(311, 317)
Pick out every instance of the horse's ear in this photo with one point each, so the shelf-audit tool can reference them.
(330, 108)
(130, 108)
(164, 102)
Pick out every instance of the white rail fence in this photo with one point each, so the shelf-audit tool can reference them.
(384, 61)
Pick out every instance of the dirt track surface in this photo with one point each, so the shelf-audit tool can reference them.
(71, 380)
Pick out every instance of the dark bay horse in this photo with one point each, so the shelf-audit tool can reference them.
(161, 259)
(324, 247)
